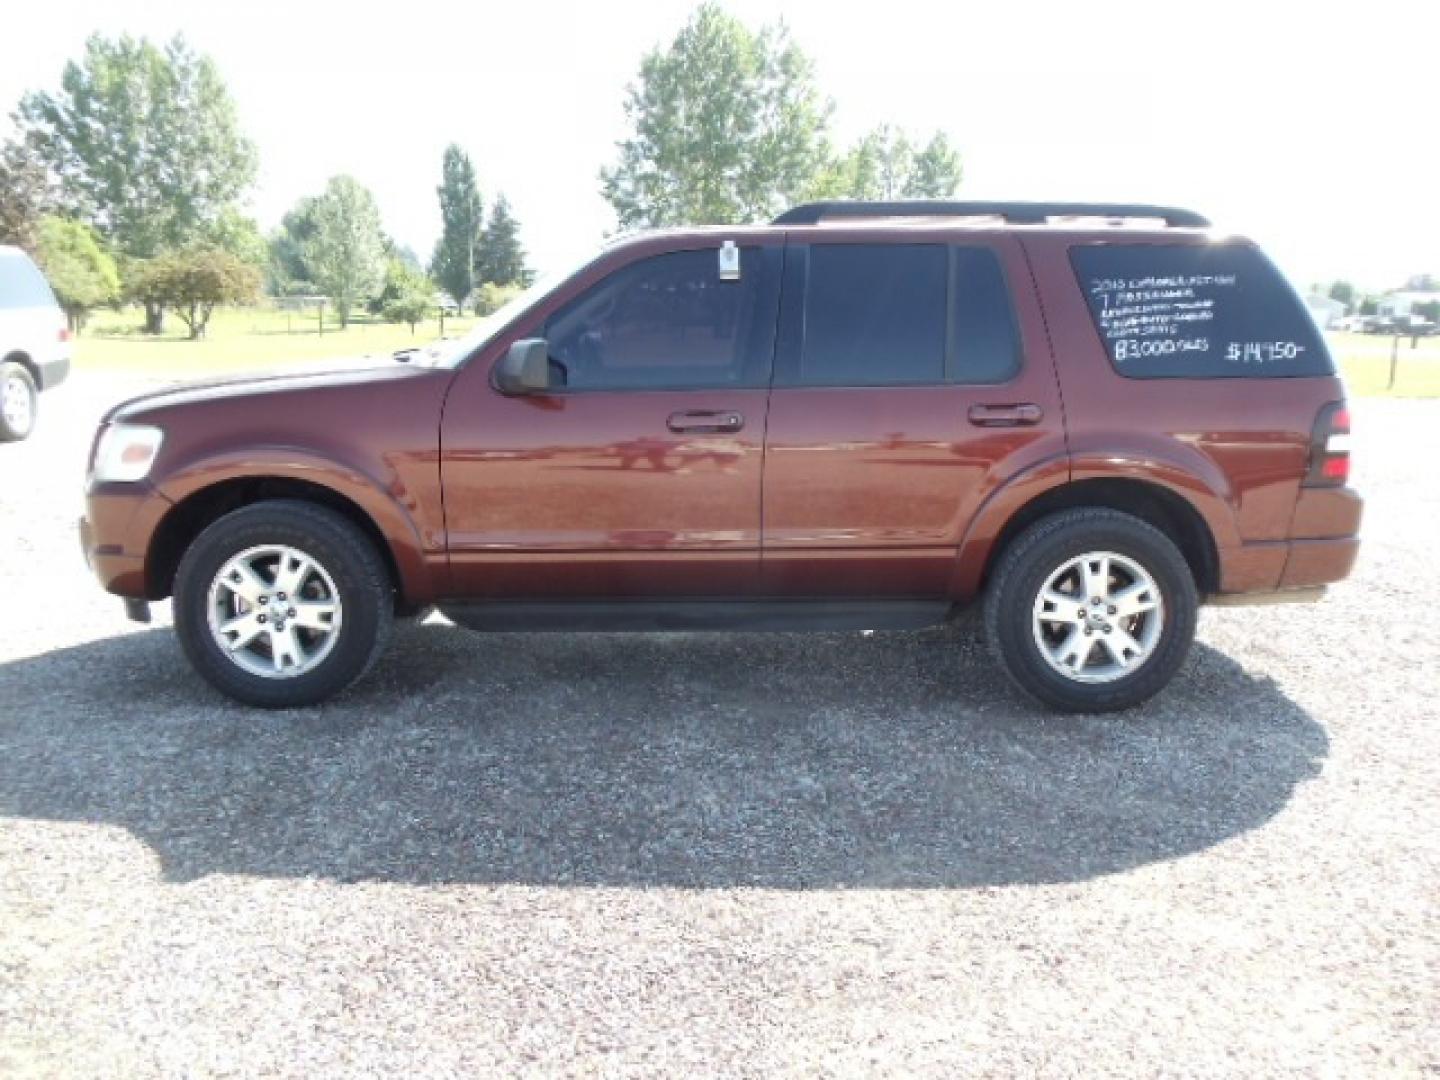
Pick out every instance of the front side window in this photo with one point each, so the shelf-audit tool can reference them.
(670, 322)
(21, 284)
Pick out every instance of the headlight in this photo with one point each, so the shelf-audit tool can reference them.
(126, 452)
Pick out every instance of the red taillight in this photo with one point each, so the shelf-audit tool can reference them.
(64, 334)
(1330, 447)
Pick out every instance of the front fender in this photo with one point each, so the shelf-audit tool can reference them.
(394, 520)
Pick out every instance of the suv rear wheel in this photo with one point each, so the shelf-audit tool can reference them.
(1091, 610)
(17, 402)
(282, 603)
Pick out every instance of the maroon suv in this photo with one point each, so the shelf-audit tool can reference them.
(860, 416)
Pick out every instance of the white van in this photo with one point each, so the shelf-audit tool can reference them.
(34, 342)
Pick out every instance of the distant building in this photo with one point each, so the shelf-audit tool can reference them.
(1402, 304)
(1325, 310)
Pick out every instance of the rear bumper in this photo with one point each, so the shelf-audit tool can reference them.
(53, 373)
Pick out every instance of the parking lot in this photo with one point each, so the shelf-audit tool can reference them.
(738, 855)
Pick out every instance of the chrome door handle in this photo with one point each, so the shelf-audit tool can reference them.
(1019, 415)
(705, 421)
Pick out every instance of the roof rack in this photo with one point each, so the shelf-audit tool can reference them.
(1019, 213)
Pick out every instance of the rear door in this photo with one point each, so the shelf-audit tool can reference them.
(912, 378)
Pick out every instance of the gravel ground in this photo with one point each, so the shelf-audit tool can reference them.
(738, 855)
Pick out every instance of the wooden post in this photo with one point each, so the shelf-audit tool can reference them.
(322, 318)
(1394, 360)
(442, 320)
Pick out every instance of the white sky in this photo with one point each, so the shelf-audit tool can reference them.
(1313, 128)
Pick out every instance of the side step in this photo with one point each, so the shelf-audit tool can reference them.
(649, 616)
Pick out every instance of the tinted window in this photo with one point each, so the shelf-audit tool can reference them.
(1198, 311)
(874, 315)
(670, 321)
(21, 284)
(986, 348)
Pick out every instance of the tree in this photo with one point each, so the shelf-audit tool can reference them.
(1344, 292)
(491, 297)
(232, 231)
(408, 295)
(727, 125)
(25, 195)
(286, 271)
(461, 222)
(193, 281)
(502, 258)
(345, 252)
(80, 272)
(144, 142)
(936, 171)
(884, 165)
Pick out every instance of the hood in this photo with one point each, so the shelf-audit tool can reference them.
(350, 372)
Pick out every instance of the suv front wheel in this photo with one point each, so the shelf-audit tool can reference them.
(282, 603)
(1091, 610)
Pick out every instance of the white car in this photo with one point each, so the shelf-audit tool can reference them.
(34, 342)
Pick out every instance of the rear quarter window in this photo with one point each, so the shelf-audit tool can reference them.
(21, 283)
(1198, 311)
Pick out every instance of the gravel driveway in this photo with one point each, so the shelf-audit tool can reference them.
(737, 855)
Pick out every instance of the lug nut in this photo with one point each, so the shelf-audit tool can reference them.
(290, 614)
(260, 618)
(280, 597)
(1095, 600)
(1106, 628)
(1111, 610)
(263, 600)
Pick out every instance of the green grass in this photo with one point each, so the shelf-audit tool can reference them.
(1364, 360)
(246, 339)
(242, 339)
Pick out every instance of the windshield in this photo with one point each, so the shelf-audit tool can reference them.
(449, 352)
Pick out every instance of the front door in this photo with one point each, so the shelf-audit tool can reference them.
(640, 474)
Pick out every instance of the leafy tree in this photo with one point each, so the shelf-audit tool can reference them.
(884, 165)
(145, 144)
(25, 195)
(1369, 306)
(82, 274)
(491, 297)
(936, 171)
(408, 295)
(727, 127)
(502, 258)
(462, 219)
(1344, 292)
(191, 282)
(345, 253)
(286, 270)
(232, 231)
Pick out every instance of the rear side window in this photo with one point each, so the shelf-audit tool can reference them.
(896, 315)
(21, 284)
(1198, 311)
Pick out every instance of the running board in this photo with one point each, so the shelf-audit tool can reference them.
(649, 616)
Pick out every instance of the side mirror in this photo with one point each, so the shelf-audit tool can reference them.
(525, 369)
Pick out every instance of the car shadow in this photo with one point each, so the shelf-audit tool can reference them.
(687, 760)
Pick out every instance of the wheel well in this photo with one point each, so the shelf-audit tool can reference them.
(23, 359)
(1170, 513)
(180, 527)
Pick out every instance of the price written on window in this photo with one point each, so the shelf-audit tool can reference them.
(1262, 352)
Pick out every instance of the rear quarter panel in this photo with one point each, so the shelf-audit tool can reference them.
(1237, 448)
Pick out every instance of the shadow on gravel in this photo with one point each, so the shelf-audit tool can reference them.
(792, 762)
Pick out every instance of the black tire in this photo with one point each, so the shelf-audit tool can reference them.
(12, 373)
(1042, 549)
(361, 580)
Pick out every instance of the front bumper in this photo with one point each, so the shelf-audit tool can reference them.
(116, 532)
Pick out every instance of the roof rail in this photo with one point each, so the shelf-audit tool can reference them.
(1020, 213)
